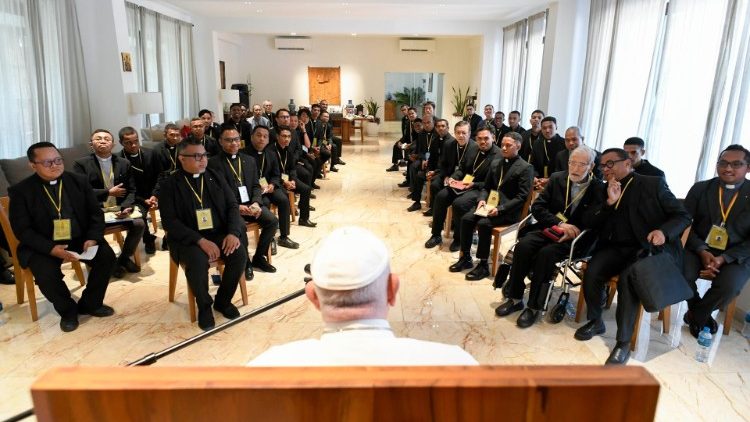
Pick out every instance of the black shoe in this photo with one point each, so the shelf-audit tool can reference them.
(288, 243)
(313, 196)
(274, 249)
(249, 274)
(392, 168)
(334, 169)
(479, 272)
(103, 311)
(527, 318)
(592, 328)
(312, 208)
(206, 319)
(230, 311)
(119, 271)
(403, 184)
(263, 265)
(307, 223)
(150, 247)
(68, 324)
(7, 277)
(403, 174)
(455, 246)
(130, 266)
(508, 307)
(315, 186)
(695, 329)
(416, 206)
(433, 241)
(428, 213)
(340, 162)
(620, 354)
(463, 263)
(164, 244)
(403, 163)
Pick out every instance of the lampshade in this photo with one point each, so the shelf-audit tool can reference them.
(229, 95)
(146, 103)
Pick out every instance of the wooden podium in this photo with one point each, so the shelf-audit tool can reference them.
(481, 393)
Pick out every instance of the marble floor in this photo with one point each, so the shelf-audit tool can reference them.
(433, 304)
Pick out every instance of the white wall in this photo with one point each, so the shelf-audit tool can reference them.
(280, 75)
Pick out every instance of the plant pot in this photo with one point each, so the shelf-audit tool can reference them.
(371, 129)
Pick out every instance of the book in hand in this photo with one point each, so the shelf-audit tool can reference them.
(89, 254)
(112, 217)
(482, 211)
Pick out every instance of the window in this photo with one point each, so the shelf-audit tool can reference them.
(523, 51)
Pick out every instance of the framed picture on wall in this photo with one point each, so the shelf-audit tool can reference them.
(222, 74)
(127, 64)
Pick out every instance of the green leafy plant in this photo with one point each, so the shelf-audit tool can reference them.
(412, 97)
(372, 107)
(460, 99)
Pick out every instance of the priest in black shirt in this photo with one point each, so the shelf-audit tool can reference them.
(289, 179)
(544, 150)
(474, 119)
(237, 122)
(435, 169)
(198, 132)
(514, 125)
(200, 214)
(573, 140)
(530, 136)
(212, 128)
(636, 149)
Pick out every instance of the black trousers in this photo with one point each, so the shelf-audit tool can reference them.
(725, 287)
(336, 141)
(304, 190)
(279, 198)
(398, 153)
(436, 185)
(196, 265)
(484, 226)
(535, 256)
(310, 166)
(461, 205)
(417, 182)
(136, 227)
(607, 261)
(148, 237)
(49, 278)
(268, 225)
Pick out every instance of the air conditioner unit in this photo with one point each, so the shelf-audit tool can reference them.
(293, 43)
(416, 44)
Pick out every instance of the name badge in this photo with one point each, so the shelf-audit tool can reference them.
(244, 196)
(263, 182)
(204, 218)
(493, 200)
(426, 155)
(242, 143)
(718, 238)
(561, 217)
(468, 178)
(61, 229)
(315, 142)
(546, 172)
(284, 177)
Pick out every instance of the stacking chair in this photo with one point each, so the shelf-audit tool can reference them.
(24, 277)
(500, 231)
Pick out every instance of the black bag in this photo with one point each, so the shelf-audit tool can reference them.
(658, 281)
(502, 272)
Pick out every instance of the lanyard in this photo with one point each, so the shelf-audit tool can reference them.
(429, 142)
(502, 170)
(578, 196)
(262, 164)
(140, 161)
(110, 177)
(459, 153)
(724, 214)
(617, 205)
(58, 204)
(237, 173)
(199, 198)
(546, 154)
(475, 166)
(171, 158)
(283, 162)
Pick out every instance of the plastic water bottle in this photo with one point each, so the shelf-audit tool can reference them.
(746, 327)
(475, 239)
(704, 345)
(570, 310)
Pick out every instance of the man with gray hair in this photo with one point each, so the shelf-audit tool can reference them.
(573, 140)
(352, 286)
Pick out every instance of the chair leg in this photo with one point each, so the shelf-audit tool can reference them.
(154, 224)
(191, 303)
(20, 285)
(636, 327)
(172, 278)
(495, 252)
(665, 316)
(29, 281)
(79, 273)
(243, 289)
(118, 238)
(612, 290)
(579, 305)
(448, 221)
(729, 315)
(292, 207)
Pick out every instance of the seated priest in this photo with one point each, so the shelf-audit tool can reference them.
(114, 186)
(239, 172)
(401, 147)
(56, 216)
(463, 186)
(198, 132)
(289, 180)
(201, 216)
(718, 246)
(451, 155)
(506, 188)
(428, 144)
(564, 209)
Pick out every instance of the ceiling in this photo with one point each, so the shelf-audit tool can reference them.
(352, 10)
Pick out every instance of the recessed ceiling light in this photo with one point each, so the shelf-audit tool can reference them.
(248, 2)
(259, 10)
(292, 33)
(354, 34)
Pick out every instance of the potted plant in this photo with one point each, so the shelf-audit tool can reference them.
(373, 121)
(460, 100)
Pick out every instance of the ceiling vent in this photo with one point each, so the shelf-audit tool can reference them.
(417, 44)
(293, 43)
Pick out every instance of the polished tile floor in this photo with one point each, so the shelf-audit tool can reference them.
(433, 304)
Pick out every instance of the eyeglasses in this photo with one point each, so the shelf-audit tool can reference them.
(609, 164)
(48, 163)
(734, 164)
(236, 140)
(196, 156)
(579, 165)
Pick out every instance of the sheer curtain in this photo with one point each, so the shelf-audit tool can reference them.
(514, 65)
(43, 90)
(537, 26)
(163, 61)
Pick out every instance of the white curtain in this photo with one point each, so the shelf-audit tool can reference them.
(513, 67)
(43, 90)
(163, 61)
(537, 26)
(729, 113)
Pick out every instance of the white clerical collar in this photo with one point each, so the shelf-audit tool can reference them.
(53, 182)
(135, 155)
(733, 186)
(234, 156)
(357, 325)
(104, 159)
(196, 175)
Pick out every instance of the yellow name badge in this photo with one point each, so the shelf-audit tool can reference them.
(204, 218)
(718, 238)
(284, 177)
(263, 182)
(493, 200)
(61, 229)
(562, 217)
(468, 178)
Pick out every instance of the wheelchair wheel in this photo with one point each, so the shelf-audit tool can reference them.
(558, 311)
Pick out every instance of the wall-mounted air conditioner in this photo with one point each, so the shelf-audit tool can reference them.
(416, 44)
(293, 43)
